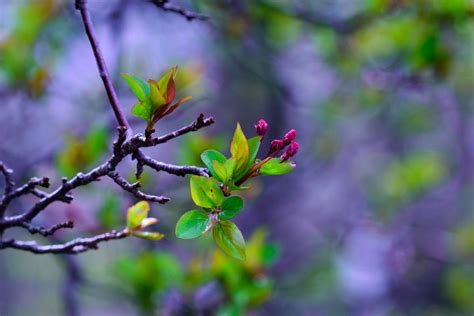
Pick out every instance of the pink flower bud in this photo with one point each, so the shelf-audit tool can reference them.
(291, 151)
(290, 136)
(261, 127)
(276, 145)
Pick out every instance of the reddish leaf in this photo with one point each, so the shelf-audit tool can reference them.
(170, 90)
(176, 105)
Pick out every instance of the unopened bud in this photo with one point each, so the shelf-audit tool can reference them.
(290, 136)
(291, 151)
(276, 145)
(261, 127)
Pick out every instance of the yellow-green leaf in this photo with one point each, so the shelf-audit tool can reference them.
(220, 171)
(157, 98)
(149, 235)
(136, 214)
(209, 156)
(254, 145)
(205, 192)
(141, 110)
(239, 149)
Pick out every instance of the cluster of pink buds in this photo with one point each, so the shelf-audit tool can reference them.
(279, 144)
(293, 147)
(291, 151)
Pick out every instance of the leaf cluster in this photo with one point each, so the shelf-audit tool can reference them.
(137, 220)
(155, 99)
(213, 195)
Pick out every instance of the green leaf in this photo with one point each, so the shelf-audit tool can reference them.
(254, 145)
(138, 86)
(220, 171)
(239, 149)
(231, 207)
(275, 166)
(192, 224)
(149, 235)
(142, 111)
(209, 156)
(136, 214)
(229, 239)
(157, 98)
(205, 192)
(229, 167)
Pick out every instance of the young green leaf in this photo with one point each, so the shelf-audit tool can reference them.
(149, 235)
(192, 224)
(157, 98)
(142, 111)
(231, 207)
(239, 149)
(254, 145)
(220, 171)
(230, 168)
(136, 214)
(229, 239)
(276, 166)
(208, 157)
(138, 86)
(205, 192)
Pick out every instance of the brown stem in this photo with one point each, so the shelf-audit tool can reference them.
(81, 5)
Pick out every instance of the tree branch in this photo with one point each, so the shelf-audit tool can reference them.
(144, 160)
(7, 175)
(165, 5)
(121, 149)
(75, 246)
(199, 123)
(23, 190)
(81, 5)
(45, 231)
(133, 188)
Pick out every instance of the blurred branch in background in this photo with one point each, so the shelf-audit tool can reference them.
(166, 5)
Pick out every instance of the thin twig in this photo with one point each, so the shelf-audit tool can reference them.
(81, 5)
(133, 188)
(199, 123)
(45, 231)
(75, 246)
(24, 189)
(144, 160)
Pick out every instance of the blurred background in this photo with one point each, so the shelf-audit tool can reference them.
(377, 219)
